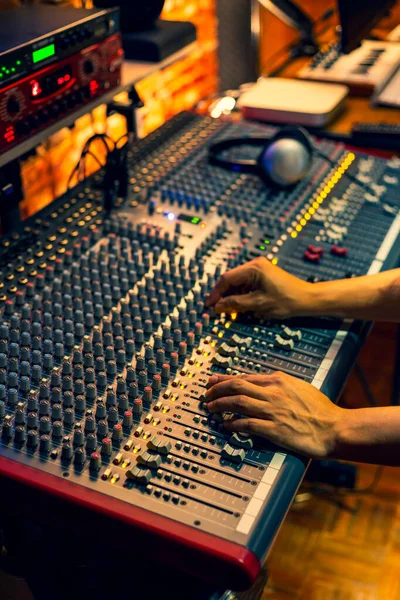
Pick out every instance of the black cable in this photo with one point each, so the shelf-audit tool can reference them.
(80, 167)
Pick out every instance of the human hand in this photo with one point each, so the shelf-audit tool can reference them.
(263, 288)
(287, 411)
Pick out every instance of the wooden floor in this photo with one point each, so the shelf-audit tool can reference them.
(324, 552)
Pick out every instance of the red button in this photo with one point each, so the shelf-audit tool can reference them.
(336, 251)
(311, 257)
(315, 249)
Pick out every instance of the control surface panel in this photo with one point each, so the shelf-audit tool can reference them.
(106, 346)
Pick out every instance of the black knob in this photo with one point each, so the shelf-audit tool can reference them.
(34, 121)
(22, 128)
(88, 67)
(13, 106)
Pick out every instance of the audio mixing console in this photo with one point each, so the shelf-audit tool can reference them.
(106, 347)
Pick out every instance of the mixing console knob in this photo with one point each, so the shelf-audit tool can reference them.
(6, 431)
(79, 437)
(101, 411)
(32, 420)
(102, 429)
(117, 434)
(106, 447)
(45, 425)
(33, 401)
(57, 429)
(138, 407)
(79, 457)
(133, 390)
(113, 415)
(45, 444)
(2, 409)
(69, 417)
(66, 452)
(128, 419)
(95, 461)
(123, 403)
(20, 414)
(32, 438)
(165, 371)
(19, 435)
(142, 379)
(91, 442)
(174, 360)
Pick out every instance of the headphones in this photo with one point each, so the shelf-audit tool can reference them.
(284, 160)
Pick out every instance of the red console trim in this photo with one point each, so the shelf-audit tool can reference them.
(202, 554)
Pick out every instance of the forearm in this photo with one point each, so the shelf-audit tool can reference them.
(373, 297)
(370, 435)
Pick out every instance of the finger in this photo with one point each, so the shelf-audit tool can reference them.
(236, 277)
(237, 386)
(238, 303)
(242, 405)
(252, 426)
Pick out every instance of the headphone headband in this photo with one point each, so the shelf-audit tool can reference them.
(253, 166)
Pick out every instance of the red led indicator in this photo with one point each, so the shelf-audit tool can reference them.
(93, 86)
(65, 79)
(9, 135)
(36, 89)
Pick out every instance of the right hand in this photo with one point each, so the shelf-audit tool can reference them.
(260, 287)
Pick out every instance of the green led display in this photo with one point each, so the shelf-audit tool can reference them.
(262, 247)
(267, 242)
(43, 53)
(195, 220)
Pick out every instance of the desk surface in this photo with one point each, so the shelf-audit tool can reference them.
(356, 109)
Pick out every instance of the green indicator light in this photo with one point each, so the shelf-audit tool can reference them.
(13, 69)
(262, 247)
(267, 242)
(18, 62)
(7, 72)
(3, 69)
(43, 53)
(195, 220)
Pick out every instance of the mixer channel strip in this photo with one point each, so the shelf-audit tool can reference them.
(106, 346)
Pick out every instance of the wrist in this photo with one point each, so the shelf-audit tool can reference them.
(350, 435)
(322, 299)
(309, 300)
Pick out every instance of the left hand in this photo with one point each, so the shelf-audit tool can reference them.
(286, 410)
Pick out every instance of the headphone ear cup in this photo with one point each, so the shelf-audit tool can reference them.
(287, 157)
